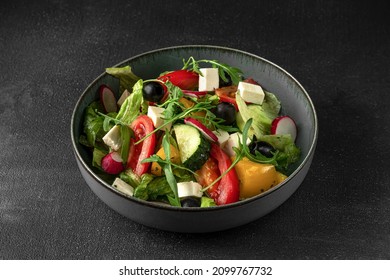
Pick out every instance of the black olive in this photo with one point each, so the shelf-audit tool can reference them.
(153, 91)
(222, 83)
(262, 147)
(225, 111)
(190, 202)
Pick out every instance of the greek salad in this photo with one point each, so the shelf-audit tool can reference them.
(200, 136)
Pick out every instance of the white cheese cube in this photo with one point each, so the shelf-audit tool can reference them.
(209, 80)
(191, 188)
(156, 115)
(113, 138)
(121, 99)
(251, 93)
(233, 142)
(123, 186)
(222, 135)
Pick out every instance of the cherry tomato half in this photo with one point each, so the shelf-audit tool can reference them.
(226, 190)
(227, 94)
(141, 127)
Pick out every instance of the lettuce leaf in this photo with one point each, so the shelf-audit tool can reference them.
(126, 77)
(288, 152)
(271, 105)
(207, 202)
(133, 105)
(261, 124)
(93, 123)
(153, 188)
(97, 156)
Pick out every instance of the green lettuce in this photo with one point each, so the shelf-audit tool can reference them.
(261, 122)
(153, 188)
(130, 108)
(262, 115)
(271, 105)
(207, 202)
(126, 77)
(97, 156)
(130, 177)
(288, 152)
(93, 123)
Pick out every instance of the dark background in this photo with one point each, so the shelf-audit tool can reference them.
(51, 50)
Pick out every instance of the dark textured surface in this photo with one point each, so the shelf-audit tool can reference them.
(51, 50)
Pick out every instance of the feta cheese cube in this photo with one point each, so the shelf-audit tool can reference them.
(209, 80)
(113, 138)
(191, 188)
(251, 93)
(233, 142)
(156, 115)
(123, 186)
(222, 136)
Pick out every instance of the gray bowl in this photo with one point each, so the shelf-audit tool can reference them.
(295, 101)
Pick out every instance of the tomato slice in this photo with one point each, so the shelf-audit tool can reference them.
(251, 81)
(141, 126)
(226, 190)
(207, 174)
(227, 94)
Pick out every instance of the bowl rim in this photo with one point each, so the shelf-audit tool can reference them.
(196, 209)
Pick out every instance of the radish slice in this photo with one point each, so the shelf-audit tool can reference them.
(108, 99)
(193, 93)
(112, 163)
(202, 128)
(284, 125)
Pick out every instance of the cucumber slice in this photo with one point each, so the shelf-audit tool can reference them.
(194, 148)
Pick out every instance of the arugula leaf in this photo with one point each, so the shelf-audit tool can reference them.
(244, 150)
(223, 69)
(172, 104)
(175, 201)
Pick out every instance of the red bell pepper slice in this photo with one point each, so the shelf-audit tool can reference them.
(141, 126)
(227, 190)
(184, 79)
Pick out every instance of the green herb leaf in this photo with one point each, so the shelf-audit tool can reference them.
(131, 107)
(93, 123)
(141, 191)
(126, 77)
(126, 134)
(175, 201)
(97, 156)
(223, 69)
(207, 202)
(244, 150)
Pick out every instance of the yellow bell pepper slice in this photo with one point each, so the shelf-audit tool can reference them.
(256, 178)
(156, 168)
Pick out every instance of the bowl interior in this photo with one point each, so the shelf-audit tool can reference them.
(295, 101)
